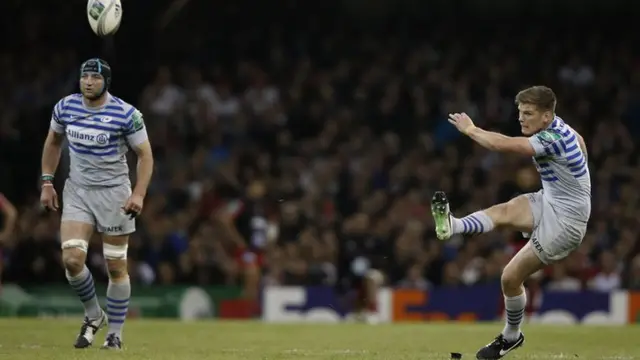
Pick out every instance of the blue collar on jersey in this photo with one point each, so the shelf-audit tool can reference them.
(556, 121)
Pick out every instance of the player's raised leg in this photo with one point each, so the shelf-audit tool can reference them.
(119, 290)
(75, 235)
(515, 214)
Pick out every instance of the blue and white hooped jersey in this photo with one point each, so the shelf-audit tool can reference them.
(563, 169)
(98, 139)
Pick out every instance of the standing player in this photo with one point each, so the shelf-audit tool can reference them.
(99, 127)
(556, 216)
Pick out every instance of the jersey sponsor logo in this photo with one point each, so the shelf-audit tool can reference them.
(138, 121)
(73, 118)
(548, 137)
(88, 137)
(111, 229)
(536, 244)
(77, 135)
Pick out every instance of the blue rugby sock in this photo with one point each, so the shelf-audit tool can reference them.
(477, 223)
(85, 288)
(118, 294)
(514, 307)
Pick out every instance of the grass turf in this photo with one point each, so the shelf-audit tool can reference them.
(27, 339)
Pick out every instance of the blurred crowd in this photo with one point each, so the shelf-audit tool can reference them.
(306, 152)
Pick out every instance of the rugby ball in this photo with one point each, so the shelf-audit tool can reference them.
(104, 16)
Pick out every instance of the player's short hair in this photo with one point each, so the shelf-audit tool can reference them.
(541, 96)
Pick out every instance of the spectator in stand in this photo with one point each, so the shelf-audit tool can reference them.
(308, 156)
(608, 276)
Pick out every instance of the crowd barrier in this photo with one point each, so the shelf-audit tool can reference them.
(173, 302)
(469, 304)
(324, 304)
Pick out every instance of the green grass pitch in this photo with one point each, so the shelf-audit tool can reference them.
(52, 339)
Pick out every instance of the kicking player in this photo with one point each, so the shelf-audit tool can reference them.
(556, 216)
(99, 127)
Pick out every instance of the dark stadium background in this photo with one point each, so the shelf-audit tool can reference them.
(333, 131)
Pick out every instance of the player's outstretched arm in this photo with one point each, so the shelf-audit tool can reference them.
(491, 140)
(498, 142)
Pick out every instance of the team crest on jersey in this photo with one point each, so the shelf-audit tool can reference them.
(138, 121)
(548, 137)
(106, 119)
(102, 139)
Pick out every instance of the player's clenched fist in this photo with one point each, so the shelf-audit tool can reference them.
(49, 197)
(133, 206)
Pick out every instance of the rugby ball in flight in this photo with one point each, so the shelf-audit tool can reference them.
(104, 16)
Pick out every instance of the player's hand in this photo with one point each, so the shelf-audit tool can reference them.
(49, 197)
(462, 122)
(133, 206)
